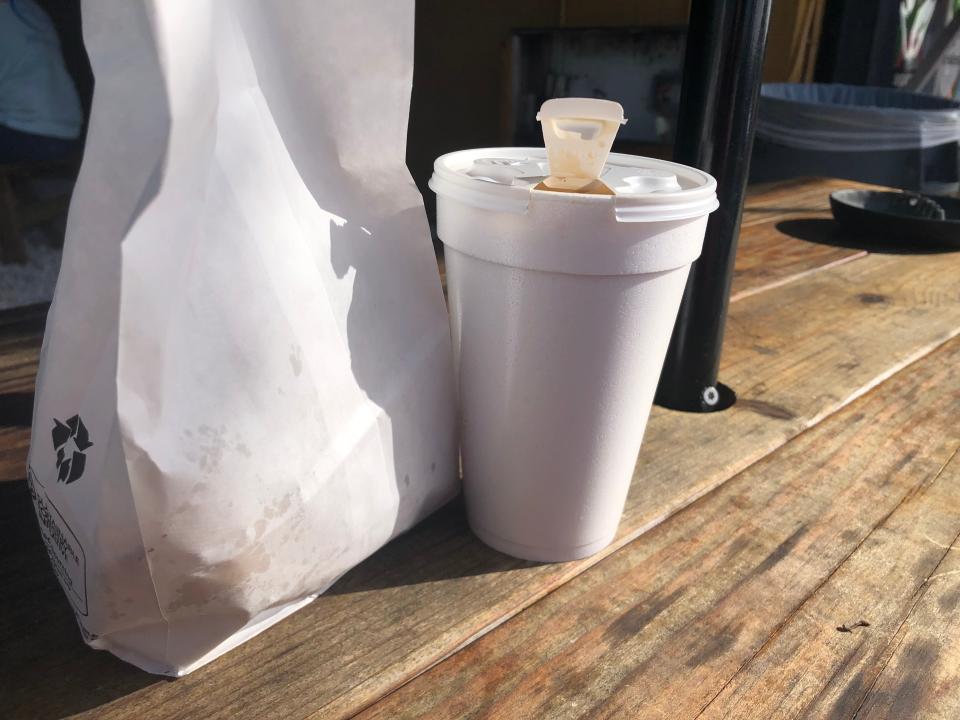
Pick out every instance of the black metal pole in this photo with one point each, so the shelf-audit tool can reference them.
(721, 87)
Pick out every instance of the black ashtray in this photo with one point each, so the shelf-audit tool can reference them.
(899, 217)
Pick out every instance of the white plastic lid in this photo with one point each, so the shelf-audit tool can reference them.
(646, 189)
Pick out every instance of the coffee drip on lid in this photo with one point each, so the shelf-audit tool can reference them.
(578, 134)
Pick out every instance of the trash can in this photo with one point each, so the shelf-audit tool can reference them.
(879, 135)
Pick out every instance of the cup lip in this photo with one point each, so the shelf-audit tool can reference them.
(696, 197)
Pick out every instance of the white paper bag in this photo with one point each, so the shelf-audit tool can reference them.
(246, 383)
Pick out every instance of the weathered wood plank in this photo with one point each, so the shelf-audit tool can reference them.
(922, 678)
(792, 199)
(847, 329)
(14, 444)
(659, 628)
(21, 331)
(796, 198)
(809, 668)
(766, 258)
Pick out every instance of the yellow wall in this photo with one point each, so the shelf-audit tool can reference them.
(787, 37)
(776, 65)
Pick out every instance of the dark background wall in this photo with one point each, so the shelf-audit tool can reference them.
(462, 58)
(462, 65)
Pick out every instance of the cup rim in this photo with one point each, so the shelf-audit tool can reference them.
(696, 197)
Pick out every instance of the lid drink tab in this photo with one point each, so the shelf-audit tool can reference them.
(578, 134)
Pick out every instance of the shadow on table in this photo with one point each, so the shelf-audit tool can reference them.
(46, 670)
(829, 232)
(440, 548)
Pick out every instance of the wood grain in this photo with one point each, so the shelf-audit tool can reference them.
(768, 255)
(809, 668)
(921, 678)
(788, 200)
(21, 331)
(20, 334)
(792, 199)
(658, 629)
(766, 258)
(795, 353)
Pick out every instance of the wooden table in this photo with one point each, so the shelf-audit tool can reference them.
(792, 556)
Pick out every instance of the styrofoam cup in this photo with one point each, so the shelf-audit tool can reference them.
(561, 306)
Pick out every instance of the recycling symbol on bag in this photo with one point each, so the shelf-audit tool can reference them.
(70, 439)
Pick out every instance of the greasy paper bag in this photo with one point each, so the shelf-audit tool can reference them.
(246, 384)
